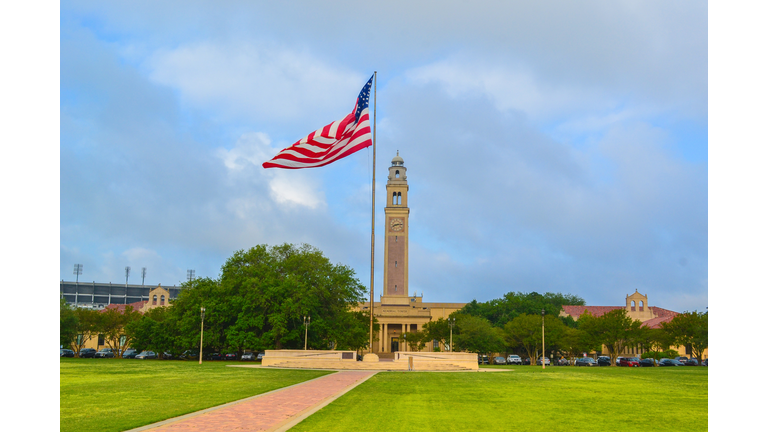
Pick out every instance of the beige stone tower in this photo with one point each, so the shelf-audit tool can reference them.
(396, 232)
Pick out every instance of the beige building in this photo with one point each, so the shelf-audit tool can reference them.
(158, 297)
(638, 309)
(398, 312)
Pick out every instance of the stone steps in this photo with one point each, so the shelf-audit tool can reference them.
(387, 365)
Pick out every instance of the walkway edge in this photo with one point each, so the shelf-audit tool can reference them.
(217, 407)
(298, 418)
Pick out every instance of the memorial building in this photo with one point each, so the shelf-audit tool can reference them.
(398, 311)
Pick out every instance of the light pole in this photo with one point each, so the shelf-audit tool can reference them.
(451, 322)
(543, 366)
(202, 318)
(306, 330)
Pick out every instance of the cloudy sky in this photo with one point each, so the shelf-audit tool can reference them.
(550, 146)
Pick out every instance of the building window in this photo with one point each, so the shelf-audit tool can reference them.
(641, 305)
(79, 339)
(633, 305)
(394, 198)
(395, 288)
(435, 344)
(162, 299)
(101, 340)
(395, 264)
(154, 299)
(397, 173)
(123, 339)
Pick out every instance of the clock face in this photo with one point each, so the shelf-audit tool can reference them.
(396, 224)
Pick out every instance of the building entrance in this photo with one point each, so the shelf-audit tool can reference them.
(395, 345)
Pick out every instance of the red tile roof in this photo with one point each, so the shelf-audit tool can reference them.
(662, 315)
(656, 322)
(121, 307)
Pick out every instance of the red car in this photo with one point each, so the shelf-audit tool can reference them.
(629, 362)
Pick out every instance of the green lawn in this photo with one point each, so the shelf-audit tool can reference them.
(117, 394)
(527, 398)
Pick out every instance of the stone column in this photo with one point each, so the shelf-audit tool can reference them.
(402, 340)
(386, 331)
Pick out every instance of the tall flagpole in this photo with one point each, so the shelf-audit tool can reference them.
(373, 207)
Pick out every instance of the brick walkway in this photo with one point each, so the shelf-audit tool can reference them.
(271, 412)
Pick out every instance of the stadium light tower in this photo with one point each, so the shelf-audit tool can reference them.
(190, 275)
(127, 273)
(143, 274)
(77, 272)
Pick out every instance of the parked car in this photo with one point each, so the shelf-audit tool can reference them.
(146, 355)
(705, 362)
(482, 359)
(87, 353)
(682, 359)
(249, 356)
(514, 359)
(691, 362)
(603, 361)
(63, 352)
(648, 362)
(130, 353)
(188, 355)
(618, 361)
(546, 361)
(104, 353)
(629, 362)
(562, 361)
(260, 356)
(585, 361)
(527, 361)
(499, 360)
(230, 356)
(214, 356)
(669, 362)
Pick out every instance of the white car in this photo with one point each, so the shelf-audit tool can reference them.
(514, 359)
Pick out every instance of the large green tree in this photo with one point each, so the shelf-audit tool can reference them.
(88, 327)
(477, 335)
(262, 297)
(67, 324)
(439, 330)
(525, 332)
(112, 325)
(690, 329)
(614, 329)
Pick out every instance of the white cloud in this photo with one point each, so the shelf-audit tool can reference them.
(296, 189)
(251, 148)
(255, 80)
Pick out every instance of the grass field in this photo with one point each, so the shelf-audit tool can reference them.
(527, 398)
(117, 394)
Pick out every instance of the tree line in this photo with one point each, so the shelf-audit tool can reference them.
(513, 324)
(259, 302)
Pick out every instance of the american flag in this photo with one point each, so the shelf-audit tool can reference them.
(330, 143)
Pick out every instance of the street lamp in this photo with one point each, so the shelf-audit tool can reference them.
(543, 366)
(202, 318)
(451, 322)
(306, 330)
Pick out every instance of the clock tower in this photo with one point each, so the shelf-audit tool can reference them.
(396, 231)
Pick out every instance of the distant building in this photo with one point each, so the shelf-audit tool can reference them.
(97, 295)
(638, 309)
(398, 312)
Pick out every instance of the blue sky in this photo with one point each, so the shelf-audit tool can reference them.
(550, 147)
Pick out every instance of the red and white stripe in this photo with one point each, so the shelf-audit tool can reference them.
(326, 145)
